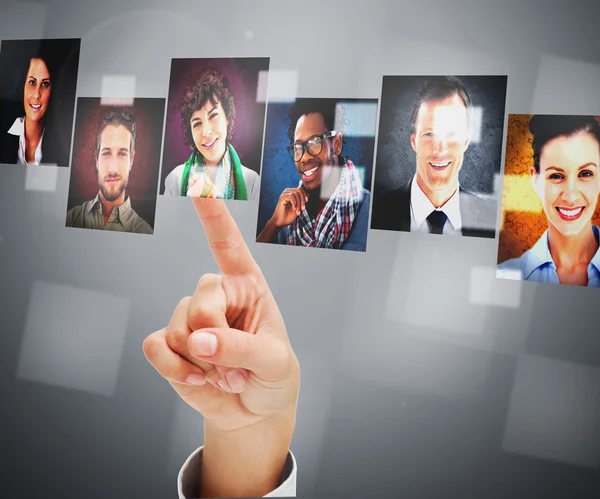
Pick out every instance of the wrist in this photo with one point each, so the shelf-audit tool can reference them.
(246, 462)
(273, 226)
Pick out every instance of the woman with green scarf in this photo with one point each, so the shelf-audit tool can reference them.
(213, 169)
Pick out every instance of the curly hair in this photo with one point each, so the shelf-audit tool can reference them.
(330, 109)
(208, 85)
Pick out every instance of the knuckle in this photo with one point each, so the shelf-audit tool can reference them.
(176, 339)
(173, 372)
(183, 303)
(202, 312)
(282, 353)
(208, 280)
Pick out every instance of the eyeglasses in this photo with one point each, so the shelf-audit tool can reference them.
(314, 146)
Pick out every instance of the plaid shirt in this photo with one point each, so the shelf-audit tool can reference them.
(334, 222)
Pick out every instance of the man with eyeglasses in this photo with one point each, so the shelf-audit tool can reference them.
(111, 208)
(329, 208)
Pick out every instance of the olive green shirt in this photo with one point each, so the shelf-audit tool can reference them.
(122, 218)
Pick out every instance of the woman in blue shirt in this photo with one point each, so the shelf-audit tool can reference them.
(566, 176)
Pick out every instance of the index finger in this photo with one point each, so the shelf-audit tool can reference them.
(224, 237)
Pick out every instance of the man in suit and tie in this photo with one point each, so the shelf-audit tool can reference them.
(433, 201)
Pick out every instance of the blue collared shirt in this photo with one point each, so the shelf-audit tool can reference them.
(537, 264)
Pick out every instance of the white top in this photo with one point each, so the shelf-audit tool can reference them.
(189, 476)
(421, 208)
(18, 129)
(251, 178)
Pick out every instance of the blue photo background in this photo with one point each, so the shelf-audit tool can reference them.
(359, 118)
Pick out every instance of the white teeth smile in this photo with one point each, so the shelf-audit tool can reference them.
(36, 106)
(570, 213)
(210, 143)
(308, 173)
(440, 165)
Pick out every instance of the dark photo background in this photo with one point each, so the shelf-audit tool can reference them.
(395, 163)
(279, 171)
(62, 56)
(243, 77)
(144, 172)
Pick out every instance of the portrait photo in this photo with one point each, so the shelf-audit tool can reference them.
(214, 128)
(317, 173)
(550, 217)
(439, 151)
(115, 165)
(38, 81)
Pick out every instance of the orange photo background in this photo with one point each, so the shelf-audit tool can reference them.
(523, 220)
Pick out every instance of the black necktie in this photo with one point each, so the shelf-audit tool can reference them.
(436, 221)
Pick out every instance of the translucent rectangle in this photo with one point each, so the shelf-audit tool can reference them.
(518, 195)
(279, 85)
(476, 121)
(117, 90)
(486, 289)
(356, 119)
(73, 338)
(430, 285)
(41, 178)
(554, 412)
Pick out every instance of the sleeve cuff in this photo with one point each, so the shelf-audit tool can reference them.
(188, 480)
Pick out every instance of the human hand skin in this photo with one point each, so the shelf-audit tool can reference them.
(289, 206)
(203, 186)
(226, 353)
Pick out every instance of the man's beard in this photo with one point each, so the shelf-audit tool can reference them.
(113, 191)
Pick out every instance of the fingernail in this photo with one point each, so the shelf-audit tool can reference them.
(204, 344)
(196, 379)
(236, 380)
(221, 383)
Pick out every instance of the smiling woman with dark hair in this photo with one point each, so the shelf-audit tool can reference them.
(214, 169)
(24, 143)
(566, 176)
(38, 90)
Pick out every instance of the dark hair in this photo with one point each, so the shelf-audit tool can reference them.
(117, 117)
(327, 108)
(544, 128)
(437, 88)
(45, 54)
(208, 85)
(61, 57)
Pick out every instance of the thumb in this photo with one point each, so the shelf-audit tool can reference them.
(267, 356)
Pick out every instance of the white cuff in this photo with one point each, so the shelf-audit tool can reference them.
(189, 477)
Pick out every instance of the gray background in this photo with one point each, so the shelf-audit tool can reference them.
(396, 159)
(423, 375)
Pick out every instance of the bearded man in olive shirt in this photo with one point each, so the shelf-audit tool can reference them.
(111, 208)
